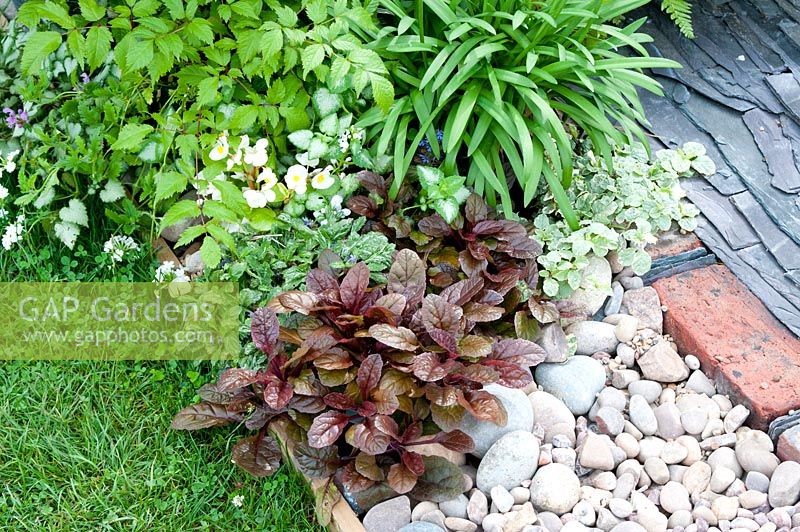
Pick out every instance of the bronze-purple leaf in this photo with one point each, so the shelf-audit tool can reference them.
(211, 394)
(438, 313)
(463, 291)
(259, 417)
(475, 209)
(369, 439)
(407, 276)
(354, 481)
(306, 404)
(480, 312)
(519, 351)
(428, 368)
(205, 415)
(339, 401)
(232, 379)
(484, 406)
(413, 461)
(319, 281)
(401, 479)
(457, 441)
(316, 463)
(326, 428)
(264, 329)
(366, 465)
(512, 375)
(363, 206)
(444, 339)
(373, 182)
(298, 301)
(258, 455)
(397, 337)
(354, 286)
(277, 393)
(394, 303)
(434, 226)
(369, 374)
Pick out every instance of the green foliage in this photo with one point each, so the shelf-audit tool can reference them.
(620, 211)
(510, 84)
(444, 194)
(680, 11)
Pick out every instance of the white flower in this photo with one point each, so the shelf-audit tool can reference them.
(3, 192)
(13, 233)
(221, 148)
(238, 501)
(297, 178)
(257, 199)
(267, 178)
(257, 155)
(167, 272)
(117, 245)
(344, 140)
(323, 180)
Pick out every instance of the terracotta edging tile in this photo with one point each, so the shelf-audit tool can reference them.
(741, 346)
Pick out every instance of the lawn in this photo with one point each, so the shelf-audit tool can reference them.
(87, 446)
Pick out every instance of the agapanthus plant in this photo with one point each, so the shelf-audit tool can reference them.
(360, 367)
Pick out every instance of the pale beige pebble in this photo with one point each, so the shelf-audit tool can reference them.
(549, 521)
(644, 482)
(680, 518)
(625, 328)
(721, 479)
(735, 418)
(599, 498)
(692, 362)
(423, 508)
(631, 429)
(724, 403)
(614, 319)
(667, 396)
(585, 513)
(628, 443)
(516, 508)
(460, 525)
(736, 488)
(652, 520)
(521, 495)
(754, 452)
(595, 453)
(622, 378)
(478, 507)
(674, 497)
(626, 482)
(674, 453)
(693, 451)
(725, 507)
(657, 470)
(468, 482)
(715, 442)
(436, 517)
(493, 521)
(522, 517)
(752, 499)
(650, 447)
(745, 524)
(629, 466)
(714, 427)
(768, 527)
(676, 472)
(725, 457)
(605, 520)
(501, 499)
(705, 513)
(604, 480)
(697, 477)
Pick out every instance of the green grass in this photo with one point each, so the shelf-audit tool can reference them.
(87, 446)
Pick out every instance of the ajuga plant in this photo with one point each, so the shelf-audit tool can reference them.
(510, 83)
(365, 373)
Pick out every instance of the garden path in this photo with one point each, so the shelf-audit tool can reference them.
(739, 95)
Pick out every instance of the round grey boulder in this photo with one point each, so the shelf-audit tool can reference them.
(485, 433)
(576, 382)
(512, 459)
(555, 488)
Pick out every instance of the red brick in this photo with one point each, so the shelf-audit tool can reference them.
(672, 243)
(789, 445)
(711, 314)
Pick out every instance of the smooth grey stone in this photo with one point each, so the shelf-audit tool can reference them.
(575, 382)
(512, 459)
(388, 516)
(485, 433)
(421, 526)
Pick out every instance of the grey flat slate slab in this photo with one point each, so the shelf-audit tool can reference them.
(739, 95)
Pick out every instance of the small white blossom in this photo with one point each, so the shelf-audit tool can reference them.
(257, 199)
(257, 155)
(238, 501)
(221, 148)
(336, 202)
(118, 245)
(13, 233)
(297, 178)
(344, 140)
(167, 273)
(3, 192)
(323, 180)
(267, 178)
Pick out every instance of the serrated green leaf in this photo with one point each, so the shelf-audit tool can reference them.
(91, 11)
(382, 91)
(140, 54)
(179, 211)
(312, 57)
(272, 42)
(207, 91)
(190, 234)
(39, 45)
(210, 252)
(168, 184)
(57, 14)
(98, 46)
(131, 136)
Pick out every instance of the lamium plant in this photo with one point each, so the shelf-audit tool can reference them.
(364, 373)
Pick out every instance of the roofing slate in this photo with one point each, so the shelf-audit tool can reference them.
(739, 95)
